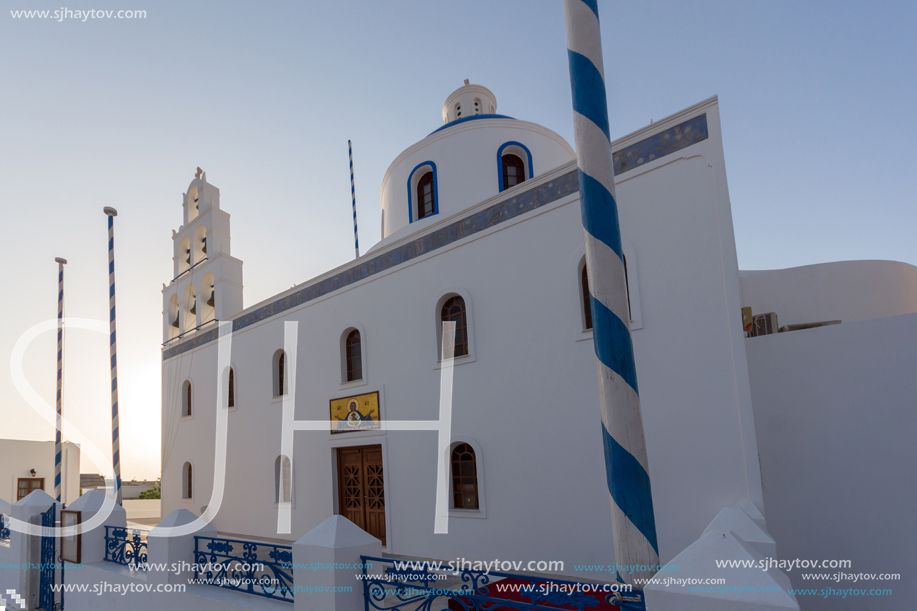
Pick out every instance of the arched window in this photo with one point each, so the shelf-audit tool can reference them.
(183, 256)
(231, 390)
(425, 198)
(186, 488)
(208, 299)
(186, 398)
(199, 245)
(464, 477)
(587, 302)
(514, 164)
(283, 480)
(477, 106)
(173, 317)
(354, 356)
(194, 206)
(513, 171)
(280, 373)
(190, 307)
(454, 310)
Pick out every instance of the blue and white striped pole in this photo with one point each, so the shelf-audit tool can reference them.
(60, 374)
(353, 197)
(632, 518)
(113, 347)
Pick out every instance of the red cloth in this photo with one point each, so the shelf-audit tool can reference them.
(522, 597)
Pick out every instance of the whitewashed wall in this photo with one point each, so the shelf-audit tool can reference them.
(835, 419)
(527, 395)
(842, 290)
(18, 457)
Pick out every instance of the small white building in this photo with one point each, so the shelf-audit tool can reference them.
(26, 466)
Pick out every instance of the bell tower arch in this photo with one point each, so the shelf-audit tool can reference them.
(206, 286)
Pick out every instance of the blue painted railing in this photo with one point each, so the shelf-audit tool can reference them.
(388, 588)
(123, 549)
(4, 527)
(255, 568)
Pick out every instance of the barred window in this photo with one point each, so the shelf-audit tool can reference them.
(425, 198)
(464, 477)
(280, 373)
(513, 171)
(186, 481)
(354, 356)
(186, 398)
(587, 302)
(454, 310)
(231, 391)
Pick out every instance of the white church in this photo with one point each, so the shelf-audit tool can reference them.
(481, 226)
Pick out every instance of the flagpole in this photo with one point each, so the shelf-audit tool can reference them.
(111, 213)
(60, 375)
(632, 518)
(353, 197)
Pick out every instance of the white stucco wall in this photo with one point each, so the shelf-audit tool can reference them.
(835, 419)
(18, 457)
(842, 290)
(526, 397)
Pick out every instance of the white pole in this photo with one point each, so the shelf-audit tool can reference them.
(353, 198)
(627, 470)
(58, 449)
(113, 345)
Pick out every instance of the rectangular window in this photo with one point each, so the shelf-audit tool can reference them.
(28, 485)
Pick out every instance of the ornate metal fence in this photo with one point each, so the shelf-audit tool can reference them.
(390, 588)
(4, 527)
(48, 575)
(123, 549)
(255, 568)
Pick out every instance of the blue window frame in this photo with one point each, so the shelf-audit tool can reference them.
(528, 161)
(420, 170)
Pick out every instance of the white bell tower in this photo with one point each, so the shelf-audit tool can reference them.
(207, 281)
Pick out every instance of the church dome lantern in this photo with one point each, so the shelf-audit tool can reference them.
(468, 101)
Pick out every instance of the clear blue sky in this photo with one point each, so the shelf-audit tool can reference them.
(816, 101)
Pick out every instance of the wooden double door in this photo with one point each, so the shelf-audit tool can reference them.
(361, 488)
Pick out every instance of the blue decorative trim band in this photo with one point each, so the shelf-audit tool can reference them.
(530, 169)
(629, 485)
(494, 215)
(659, 145)
(467, 119)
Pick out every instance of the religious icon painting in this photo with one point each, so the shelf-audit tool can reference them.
(356, 413)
